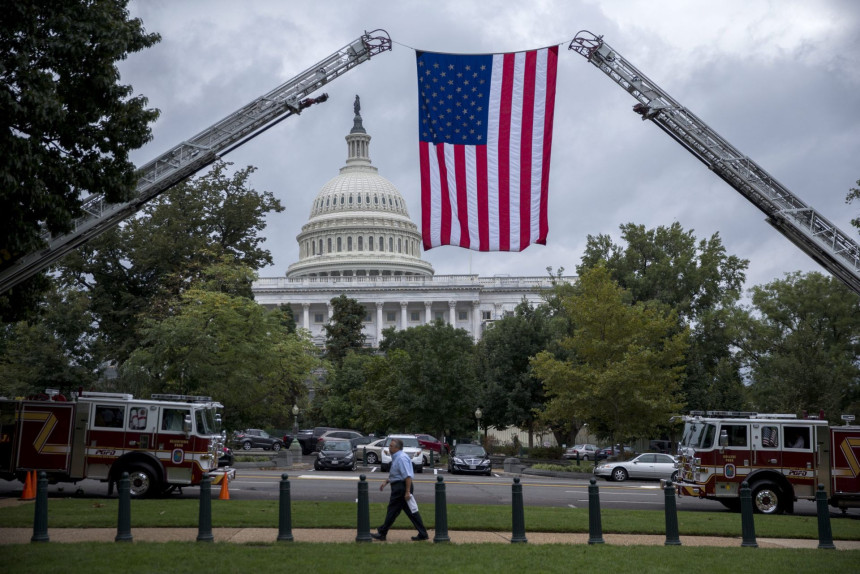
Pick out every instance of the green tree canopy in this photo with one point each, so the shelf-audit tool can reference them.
(66, 123)
(627, 362)
(697, 279)
(344, 330)
(800, 342)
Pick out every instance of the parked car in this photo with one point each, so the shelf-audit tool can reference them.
(335, 454)
(650, 465)
(586, 451)
(256, 438)
(429, 442)
(360, 441)
(374, 451)
(410, 447)
(615, 452)
(470, 458)
(308, 439)
(226, 458)
(336, 433)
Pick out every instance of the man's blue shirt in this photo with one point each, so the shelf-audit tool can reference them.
(401, 467)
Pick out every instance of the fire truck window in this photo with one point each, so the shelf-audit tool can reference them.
(171, 419)
(110, 417)
(707, 438)
(769, 437)
(796, 437)
(737, 434)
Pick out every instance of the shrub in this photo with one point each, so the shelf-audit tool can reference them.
(546, 452)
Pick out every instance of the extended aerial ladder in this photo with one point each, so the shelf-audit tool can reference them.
(192, 155)
(806, 228)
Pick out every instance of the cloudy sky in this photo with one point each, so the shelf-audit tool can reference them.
(778, 79)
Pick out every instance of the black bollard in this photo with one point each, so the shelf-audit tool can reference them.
(40, 520)
(432, 462)
(285, 512)
(747, 522)
(825, 536)
(363, 534)
(123, 524)
(577, 458)
(364, 455)
(204, 529)
(672, 538)
(519, 521)
(595, 528)
(441, 511)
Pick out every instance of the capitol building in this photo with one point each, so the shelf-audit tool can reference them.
(359, 241)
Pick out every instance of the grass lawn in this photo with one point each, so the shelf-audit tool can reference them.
(110, 558)
(88, 513)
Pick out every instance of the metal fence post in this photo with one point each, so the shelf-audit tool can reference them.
(595, 528)
(285, 512)
(441, 529)
(40, 520)
(123, 527)
(825, 536)
(747, 522)
(363, 534)
(671, 508)
(519, 521)
(204, 528)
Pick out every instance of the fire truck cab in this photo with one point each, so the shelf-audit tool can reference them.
(167, 442)
(782, 457)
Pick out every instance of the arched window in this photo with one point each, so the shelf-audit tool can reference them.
(359, 199)
(350, 200)
(376, 199)
(381, 244)
(370, 242)
(313, 247)
(399, 245)
(326, 201)
(391, 244)
(341, 199)
(321, 251)
(383, 200)
(329, 244)
(360, 239)
(349, 243)
(339, 245)
(367, 197)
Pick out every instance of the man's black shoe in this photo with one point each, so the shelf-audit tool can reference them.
(417, 538)
(376, 536)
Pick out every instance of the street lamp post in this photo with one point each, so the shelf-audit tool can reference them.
(295, 421)
(478, 415)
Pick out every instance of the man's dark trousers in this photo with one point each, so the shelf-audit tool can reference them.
(398, 503)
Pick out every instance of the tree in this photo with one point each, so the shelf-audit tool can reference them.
(697, 279)
(225, 346)
(344, 330)
(66, 124)
(627, 362)
(800, 342)
(206, 229)
(854, 194)
(510, 394)
(433, 380)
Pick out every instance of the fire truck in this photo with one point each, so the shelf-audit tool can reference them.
(167, 442)
(783, 459)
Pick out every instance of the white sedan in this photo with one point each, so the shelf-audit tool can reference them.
(649, 466)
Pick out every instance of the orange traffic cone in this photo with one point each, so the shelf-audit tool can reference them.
(225, 488)
(29, 492)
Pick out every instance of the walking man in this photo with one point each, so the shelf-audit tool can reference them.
(400, 477)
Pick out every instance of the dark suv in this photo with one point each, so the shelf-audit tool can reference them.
(349, 435)
(308, 438)
(256, 438)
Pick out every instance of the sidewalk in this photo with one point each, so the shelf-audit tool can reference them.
(330, 535)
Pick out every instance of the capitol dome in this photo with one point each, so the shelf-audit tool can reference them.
(359, 224)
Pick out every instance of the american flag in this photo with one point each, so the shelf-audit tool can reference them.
(485, 135)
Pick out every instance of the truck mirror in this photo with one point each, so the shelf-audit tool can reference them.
(724, 438)
(186, 424)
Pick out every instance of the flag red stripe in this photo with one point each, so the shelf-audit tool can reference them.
(504, 152)
(426, 210)
(483, 198)
(462, 194)
(526, 149)
(549, 110)
(445, 231)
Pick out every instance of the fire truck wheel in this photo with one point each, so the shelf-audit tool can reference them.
(619, 474)
(142, 481)
(766, 498)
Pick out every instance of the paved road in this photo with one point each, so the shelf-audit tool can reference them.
(307, 484)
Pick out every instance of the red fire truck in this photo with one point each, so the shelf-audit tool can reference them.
(167, 442)
(782, 457)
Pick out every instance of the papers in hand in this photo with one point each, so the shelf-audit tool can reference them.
(413, 504)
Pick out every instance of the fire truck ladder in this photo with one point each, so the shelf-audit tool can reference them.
(800, 223)
(194, 154)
